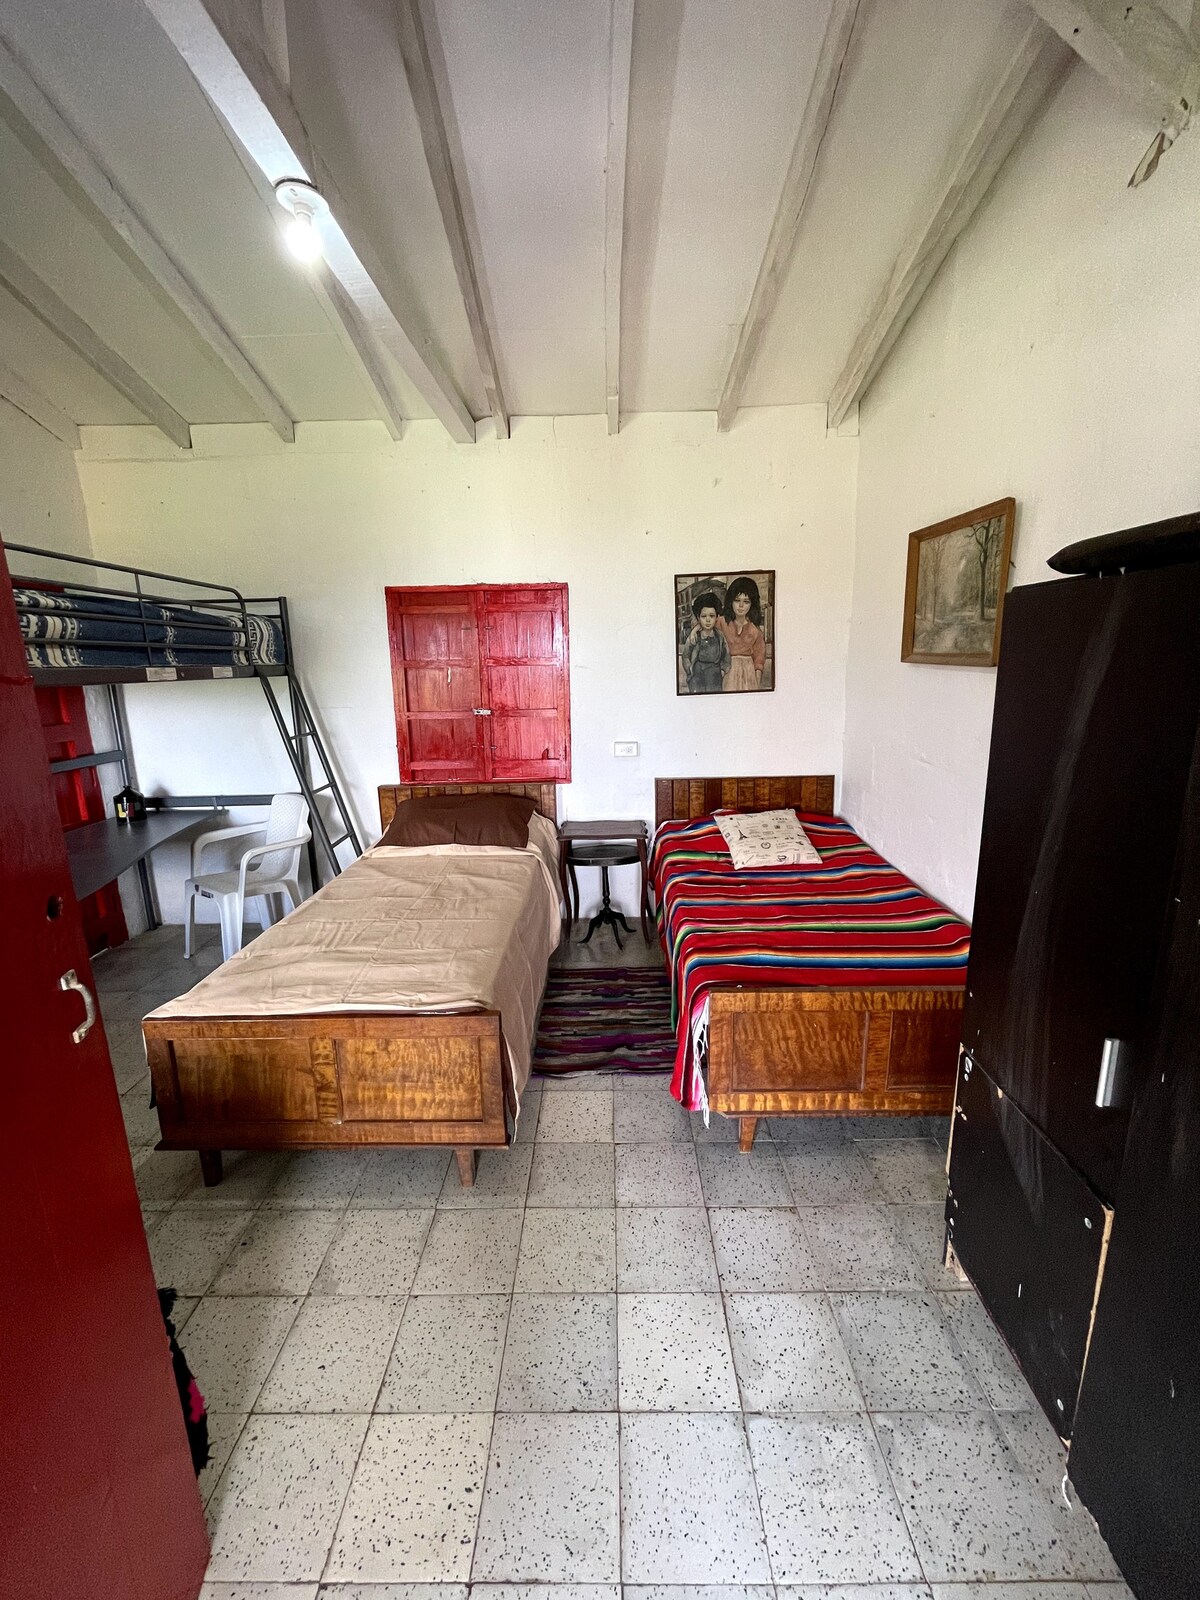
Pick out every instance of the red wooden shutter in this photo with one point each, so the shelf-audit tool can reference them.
(526, 681)
(481, 682)
(436, 684)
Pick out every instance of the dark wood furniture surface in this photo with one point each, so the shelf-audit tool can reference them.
(327, 1080)
(100, 852)
(574, 837)
(807, 1050)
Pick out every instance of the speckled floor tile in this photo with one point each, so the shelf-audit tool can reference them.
(664, 1250)
(903, 1354)
(334, 1355)
(922, 1230)
(188, 1247)
(571, 1251)
(589, 1082)
(141, 1119)
(731, 1178)
(858, 1591)
(163, 1176)
(683, 1522)
(720, 1130)
(808, 1130)
(543, 1591)
(1043, 1460)
(274, 1512)
(501, 1179)
(788, 1354)
(674, 1352)
(224, 1430)
(699, 1591)
(909, 1171)
(400, 1178)
(583, 1118)
(127, 1052)
(831, 1174)
(447, 1354)
(658, 1175)
(827, 1505)
(392, 1591)
(374, 1252)
(231, 1343)
(644, 1113)
(249, 1176)
(469, 1252)
(279, 1253)
(320, 1179)
(761, 1250)
(973, 1514)
(258, 1591)
(551, 1507)
(414, 1501)
(530, 1112)
(1109, 1591)
(561, 1353)
(572, 1175)
(989, 1358)
(1010, 1591)
(857, 1247)
(876, 1126)
(182, 1310)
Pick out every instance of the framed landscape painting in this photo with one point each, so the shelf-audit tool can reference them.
(725, 632)
(954, 589)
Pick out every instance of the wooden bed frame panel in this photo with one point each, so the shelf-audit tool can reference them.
(813, 1050)
(339, 1079)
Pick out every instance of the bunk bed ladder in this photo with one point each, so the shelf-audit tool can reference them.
(302, 740)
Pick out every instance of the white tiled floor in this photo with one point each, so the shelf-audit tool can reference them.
(629, 1357)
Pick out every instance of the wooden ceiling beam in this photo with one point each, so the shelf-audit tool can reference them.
(420, 50)
(56, 146)
(37, 408)
(37, 296)
(1138, 47)
(620, 67)
(222, 44)
(793, 199)
(981, 144)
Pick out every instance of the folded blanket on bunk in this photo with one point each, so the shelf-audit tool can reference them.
(92, 630)
(853, 921)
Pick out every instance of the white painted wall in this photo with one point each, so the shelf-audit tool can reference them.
(1054, 359)
(335, 518)
(40, 499)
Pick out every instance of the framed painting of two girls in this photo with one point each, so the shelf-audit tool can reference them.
(724, 632)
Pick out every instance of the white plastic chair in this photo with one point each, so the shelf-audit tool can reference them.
(269, 869)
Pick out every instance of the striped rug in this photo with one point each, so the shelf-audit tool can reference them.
(614, 1019)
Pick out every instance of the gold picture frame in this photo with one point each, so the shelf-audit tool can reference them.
(955, 585)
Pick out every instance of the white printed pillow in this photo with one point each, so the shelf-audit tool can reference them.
(767, 839)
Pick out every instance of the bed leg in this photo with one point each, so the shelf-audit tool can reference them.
(466, 1166)
(747, 1127)
(210, 1167)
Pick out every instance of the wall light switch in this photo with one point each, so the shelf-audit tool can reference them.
(625, 747)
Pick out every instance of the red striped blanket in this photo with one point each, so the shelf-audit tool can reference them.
(853, 921)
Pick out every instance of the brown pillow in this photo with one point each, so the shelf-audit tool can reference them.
(482, 819)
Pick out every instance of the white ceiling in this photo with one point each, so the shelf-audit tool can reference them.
(718, 89)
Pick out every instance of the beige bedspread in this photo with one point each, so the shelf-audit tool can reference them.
(438, 929)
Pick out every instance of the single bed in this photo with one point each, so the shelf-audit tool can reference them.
(395, 1007)
(830, 990)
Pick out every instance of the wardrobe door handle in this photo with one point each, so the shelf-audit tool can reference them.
(68, 981)
(1110, 1086)
(481, 711)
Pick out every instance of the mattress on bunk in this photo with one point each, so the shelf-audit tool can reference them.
(435, 929)
(73, 630)
(854, 921)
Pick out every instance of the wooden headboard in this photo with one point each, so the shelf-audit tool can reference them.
(684, 798)
(543, 795)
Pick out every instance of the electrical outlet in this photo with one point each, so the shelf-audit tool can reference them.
(625, 747)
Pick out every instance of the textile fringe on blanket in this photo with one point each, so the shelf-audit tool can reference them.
(611, 1019)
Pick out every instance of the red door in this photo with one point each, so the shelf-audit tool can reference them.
(97, 1496)
(481, 679)
(63, 711)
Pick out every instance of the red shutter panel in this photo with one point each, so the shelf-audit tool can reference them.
(526, 681)
(434, 643)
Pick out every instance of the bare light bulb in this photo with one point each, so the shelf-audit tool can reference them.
(302, 236)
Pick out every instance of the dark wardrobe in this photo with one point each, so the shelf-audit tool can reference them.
(1074, 1201)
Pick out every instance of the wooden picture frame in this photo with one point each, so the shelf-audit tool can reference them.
(960, 563)
(727, 667)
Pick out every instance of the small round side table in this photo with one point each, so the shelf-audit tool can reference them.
(604, 845)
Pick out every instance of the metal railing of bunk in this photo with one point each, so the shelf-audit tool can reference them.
(296, 740)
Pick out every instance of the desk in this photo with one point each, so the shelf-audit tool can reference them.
(99, 852)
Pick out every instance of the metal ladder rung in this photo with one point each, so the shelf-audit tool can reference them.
(335, 842)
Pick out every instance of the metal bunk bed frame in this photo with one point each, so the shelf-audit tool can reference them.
(302, 739)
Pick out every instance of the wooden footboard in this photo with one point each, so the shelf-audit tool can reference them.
(323, 1082)
(793, 1052)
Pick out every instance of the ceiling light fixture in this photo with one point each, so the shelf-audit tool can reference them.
(307, 206)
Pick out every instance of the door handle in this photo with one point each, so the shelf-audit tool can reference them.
(1110, 1086)
(68, 981)
(481, 711)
